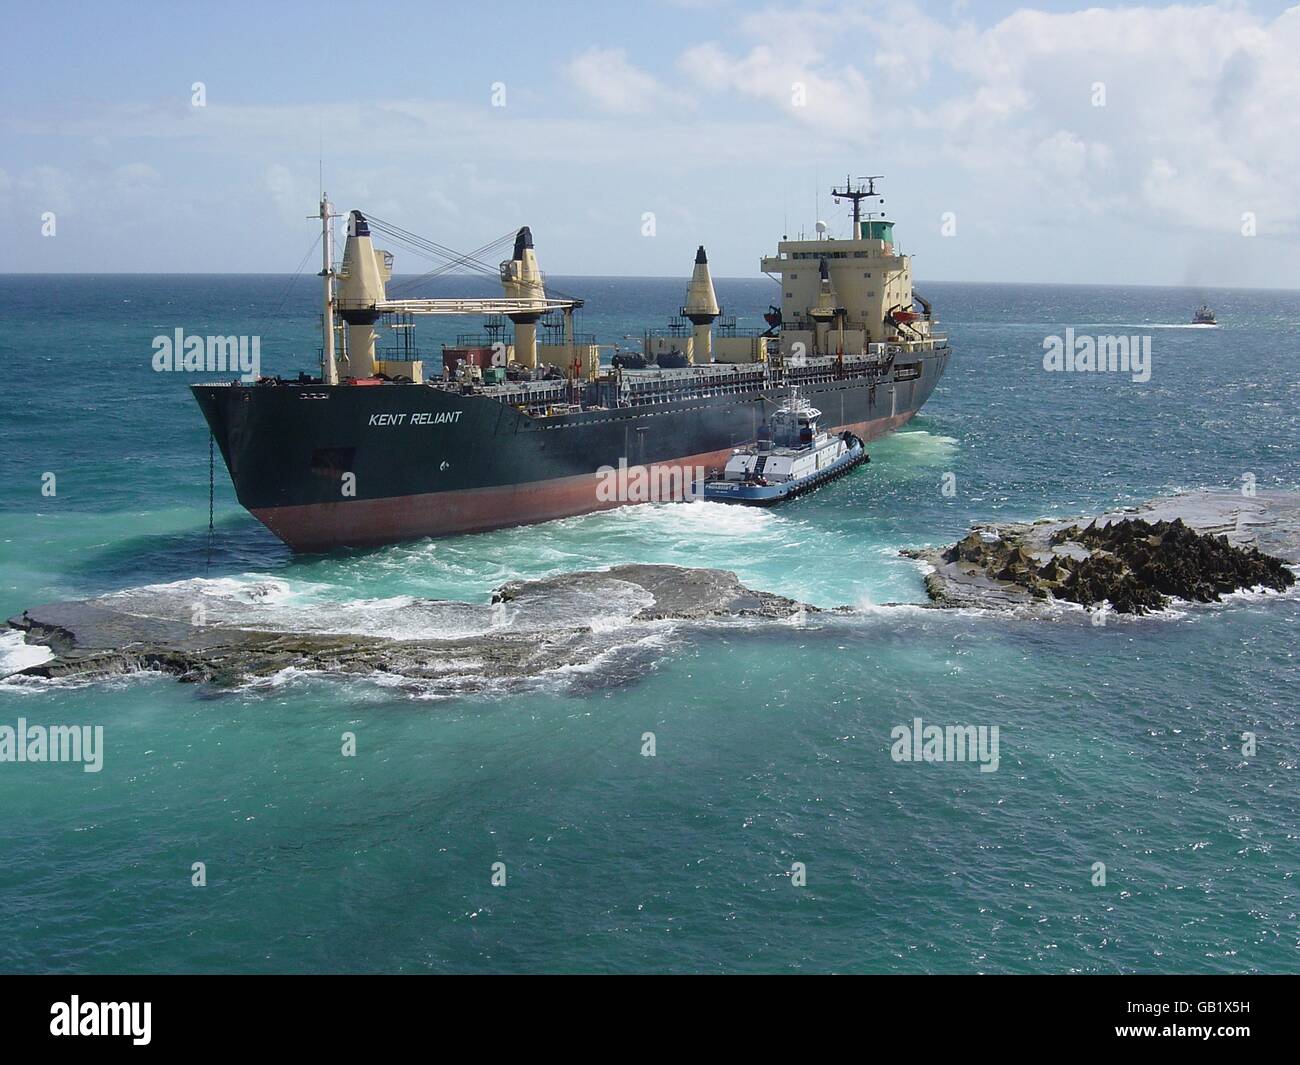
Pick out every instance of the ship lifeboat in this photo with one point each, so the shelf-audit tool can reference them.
(907, 316)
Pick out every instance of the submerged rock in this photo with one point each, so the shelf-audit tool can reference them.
(1197, 546)
(98, 638)
(677, 593)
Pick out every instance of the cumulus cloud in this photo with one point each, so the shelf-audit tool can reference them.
(610, 81)
(1198, 118)
(287, 191)
(840, 102)
(993, 117)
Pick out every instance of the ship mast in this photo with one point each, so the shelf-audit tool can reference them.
(857, 194)
(329, 370)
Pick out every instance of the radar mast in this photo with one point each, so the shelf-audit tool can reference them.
(856, 193)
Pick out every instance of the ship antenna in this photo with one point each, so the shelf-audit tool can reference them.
(856, 193)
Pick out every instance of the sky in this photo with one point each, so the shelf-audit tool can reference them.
(1050, 142)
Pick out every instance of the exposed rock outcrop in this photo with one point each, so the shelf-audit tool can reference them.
(96, 638)
(678, 593)
(1195, 547)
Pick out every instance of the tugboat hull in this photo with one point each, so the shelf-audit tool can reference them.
(766, 495)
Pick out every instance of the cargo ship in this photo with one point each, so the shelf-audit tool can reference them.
(374, 450)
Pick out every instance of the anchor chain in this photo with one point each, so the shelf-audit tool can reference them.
(212, 493)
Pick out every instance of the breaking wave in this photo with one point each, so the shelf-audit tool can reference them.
(16, 653)
(275, 605)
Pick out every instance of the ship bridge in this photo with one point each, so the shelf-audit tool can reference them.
(841, 296)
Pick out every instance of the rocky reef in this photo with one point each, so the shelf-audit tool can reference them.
(600, 624)
(676, 593)
(1195, 547)
(551, 624)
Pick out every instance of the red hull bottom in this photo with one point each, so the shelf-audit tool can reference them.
(372, 522)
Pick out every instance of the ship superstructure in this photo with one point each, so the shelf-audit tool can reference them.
(384, 446)
(846, 296)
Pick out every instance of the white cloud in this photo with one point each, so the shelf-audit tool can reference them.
(839, 103)
(289, 193)
(51, 188)
(613, 84)
(1200, 120)
(990, 117)
(134, 177)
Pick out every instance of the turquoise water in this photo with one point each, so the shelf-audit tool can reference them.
(1119, 744)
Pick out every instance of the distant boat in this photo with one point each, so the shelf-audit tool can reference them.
(1204, 316)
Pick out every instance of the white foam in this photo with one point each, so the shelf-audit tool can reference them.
(16, 653)
(917, 445)
(1112, 326)
(656, 639)
(688, 521)
(248, 589)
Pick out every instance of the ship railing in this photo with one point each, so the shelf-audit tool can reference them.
(650, 396)
(701, 381)
(476, 340)
(555, 338)
(674, 378)
(509, 394)
(741, 331)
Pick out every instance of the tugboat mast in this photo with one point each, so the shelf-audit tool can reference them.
(857, 194)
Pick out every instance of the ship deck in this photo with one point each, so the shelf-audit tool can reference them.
(618, 388)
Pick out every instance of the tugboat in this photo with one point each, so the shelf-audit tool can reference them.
(792, 456)
(1204, 316)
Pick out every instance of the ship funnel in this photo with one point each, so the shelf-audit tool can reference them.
(701, 309)
(521, 278)
(361, 286)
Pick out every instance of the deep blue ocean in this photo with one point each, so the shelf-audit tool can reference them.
(1120, 744)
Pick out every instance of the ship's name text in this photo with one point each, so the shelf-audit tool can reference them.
(425, 417)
